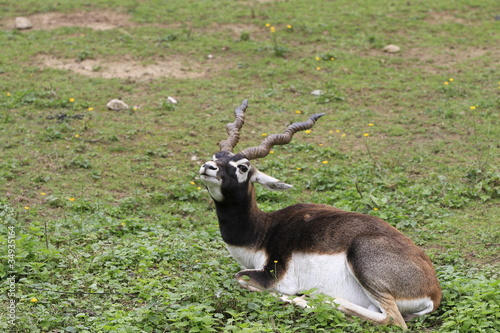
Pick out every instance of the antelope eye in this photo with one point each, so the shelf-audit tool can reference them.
(243, 168)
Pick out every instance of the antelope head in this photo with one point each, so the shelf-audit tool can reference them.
(228, 176)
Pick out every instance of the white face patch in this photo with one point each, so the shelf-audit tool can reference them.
(215, 192)
(208, 175)
(242, 167)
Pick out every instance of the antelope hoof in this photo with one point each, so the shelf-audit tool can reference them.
(299, 301)
(244, 282)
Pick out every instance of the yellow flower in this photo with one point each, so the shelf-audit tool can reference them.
(446, 83)
(298, 112)
(343, 135)
(91, 109)
(320, 144)
(318, 68)
(317, 58)
(337, 131)
(122, 223)
(271, 152)
(198, 188)
(332, 58)
(43, 193)
(72, 100)
(272, 29)
(196, 260)
(276, 261)
(308, 131)
(289, 26)
(325, 162)
(375, 208)
(370, 124)
(8, 94)
(191, 182)
(451, 80)
(26, 207)
(71, 199)
(299, 169)
(472, 107)
(33, 300)
(268, 25)
(366, 134)
(77, 136)
(264, 134)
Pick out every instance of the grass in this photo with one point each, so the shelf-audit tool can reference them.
(114, 233)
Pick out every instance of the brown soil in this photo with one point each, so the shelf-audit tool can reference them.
(96, 20)
(433, 62)
(124, 68)
(447, 57)
(127, 69)
(444, 17)
(237, 29)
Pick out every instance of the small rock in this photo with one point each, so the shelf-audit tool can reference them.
(210, 56)
(392, 48)
(117, 105)
(316, 92)
(172, 100)
(23, 23)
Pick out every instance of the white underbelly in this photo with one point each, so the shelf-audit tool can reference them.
(328, 274)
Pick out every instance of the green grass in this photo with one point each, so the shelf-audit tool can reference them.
(137, 248)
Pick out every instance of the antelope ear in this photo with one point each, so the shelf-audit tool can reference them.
(269, 182)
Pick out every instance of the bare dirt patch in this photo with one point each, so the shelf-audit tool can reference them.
(435, 60)
(129, 69)
(122, 68)
(96, 20)
(444, 17)
(236, 29)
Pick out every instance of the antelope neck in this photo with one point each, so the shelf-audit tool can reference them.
(241, 224)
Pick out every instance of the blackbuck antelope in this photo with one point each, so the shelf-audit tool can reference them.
(370, 268)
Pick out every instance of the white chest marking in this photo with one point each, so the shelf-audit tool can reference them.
(248, 258)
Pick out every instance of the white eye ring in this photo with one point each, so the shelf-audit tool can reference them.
(243, 168)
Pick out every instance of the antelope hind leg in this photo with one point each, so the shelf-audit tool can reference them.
(390, 314)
